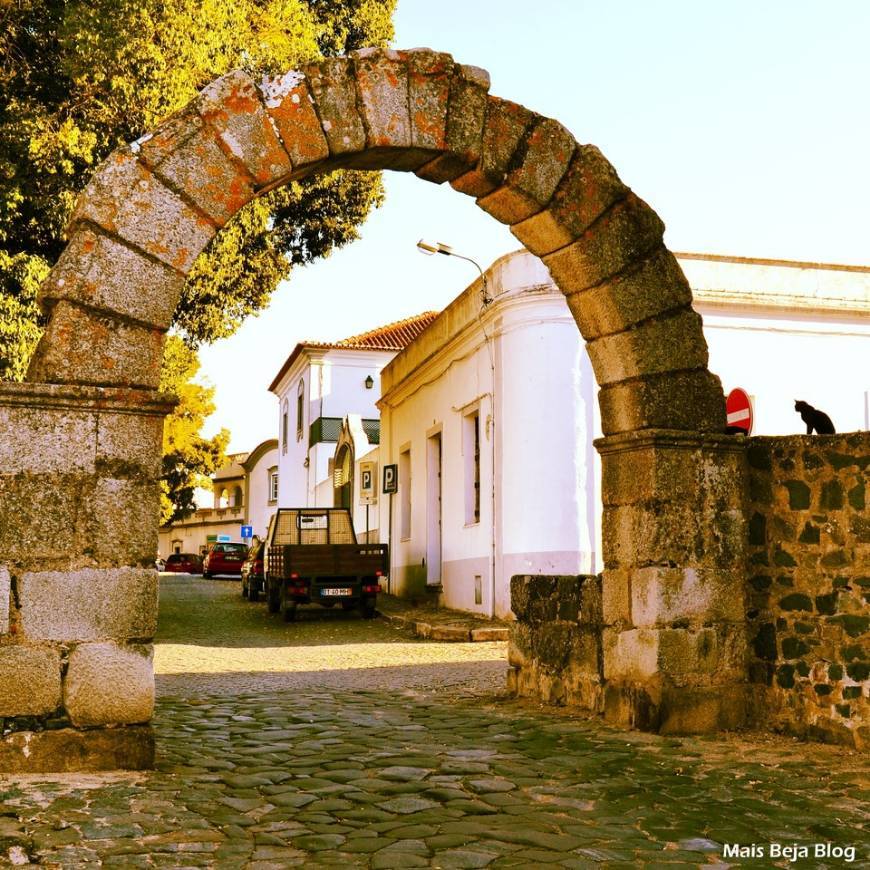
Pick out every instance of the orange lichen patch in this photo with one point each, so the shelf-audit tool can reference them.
(292, 111)
(231, 105)
(89, 244)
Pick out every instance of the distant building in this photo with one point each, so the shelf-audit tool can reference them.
(321, 383)
(490, 414)
(244, 494)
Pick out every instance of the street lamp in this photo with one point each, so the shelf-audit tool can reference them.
(430, 248)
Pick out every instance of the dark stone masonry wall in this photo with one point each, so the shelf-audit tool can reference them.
(809, 585)
(555, 646)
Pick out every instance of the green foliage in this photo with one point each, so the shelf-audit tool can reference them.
(20, 277)
(188, 458)
(80, 77)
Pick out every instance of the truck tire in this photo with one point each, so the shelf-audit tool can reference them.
(273, 598)
(290, 612)
(369, 611)
(244, 589)
(253, 591)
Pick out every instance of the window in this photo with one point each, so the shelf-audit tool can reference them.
(405, 492)
(273, 484)
(285, 426)
(300, 401)
(237, 497)
(471, 456)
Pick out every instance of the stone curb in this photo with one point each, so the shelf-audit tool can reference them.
(451, 633)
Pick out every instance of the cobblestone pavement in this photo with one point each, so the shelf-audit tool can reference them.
(307, 767)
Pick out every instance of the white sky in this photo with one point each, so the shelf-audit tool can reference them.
(743, 124)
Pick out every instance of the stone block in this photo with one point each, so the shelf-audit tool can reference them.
(703, 710)
(43, 518)
(666, 467)
(29, 680)
(466, 116)
(107, 684)
(630, 655)
(657, 286)
(636, 535)
(5, 598)
(185, 154)
(288, 101)
(616, 598)
(662, 596)
(39, 440)
(429, 77)
(129, 446)
(333, 87)
(70, 751)
(450, 633)
(124, 519)
(705, 655)
(587, 190)
(83, 346)
(127, 199)
(382, 85)
(669, 342)
(528, 186)
(691, 401)
(88, 604)
(504, 130)
(102, 273)
(231, 106)
(628, 232)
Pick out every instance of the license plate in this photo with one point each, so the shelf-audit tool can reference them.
(336, 591)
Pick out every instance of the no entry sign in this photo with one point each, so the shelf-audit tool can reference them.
(738, 410)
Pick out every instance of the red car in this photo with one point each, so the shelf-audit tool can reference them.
(224, 559)
(184, 563)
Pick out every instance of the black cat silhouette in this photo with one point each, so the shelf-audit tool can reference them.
(814, 419)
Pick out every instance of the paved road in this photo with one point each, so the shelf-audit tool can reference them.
(388, 764)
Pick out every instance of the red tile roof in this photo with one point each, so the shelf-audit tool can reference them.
(393, 336)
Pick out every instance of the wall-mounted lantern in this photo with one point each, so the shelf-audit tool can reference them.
(369, 382)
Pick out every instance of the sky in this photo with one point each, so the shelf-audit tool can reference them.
(743, 124)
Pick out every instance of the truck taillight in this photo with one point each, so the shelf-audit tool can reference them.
(294, 576)
(372, 588)
(379, 573)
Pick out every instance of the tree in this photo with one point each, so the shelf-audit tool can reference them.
(188, 458)
(80, 77)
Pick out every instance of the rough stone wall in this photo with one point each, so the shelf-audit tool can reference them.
(809, 585)
(78, 589)
(555, 649)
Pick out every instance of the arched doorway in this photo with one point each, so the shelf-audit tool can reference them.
(672, 485)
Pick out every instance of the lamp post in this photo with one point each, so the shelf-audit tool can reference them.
(429, 248)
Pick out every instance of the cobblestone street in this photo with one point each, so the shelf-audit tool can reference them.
(346, 742)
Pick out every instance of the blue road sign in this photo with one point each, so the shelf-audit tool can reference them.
(247, 531)
(224, 539)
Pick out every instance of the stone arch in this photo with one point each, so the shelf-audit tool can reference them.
(153, 206)
(670, 624)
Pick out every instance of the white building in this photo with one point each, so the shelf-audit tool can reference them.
(321, 383)
(490, 414)
(244, 493)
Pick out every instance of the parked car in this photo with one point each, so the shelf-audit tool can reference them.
(224, 559)
(313, 558)
(183, 563)
(252, 572)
